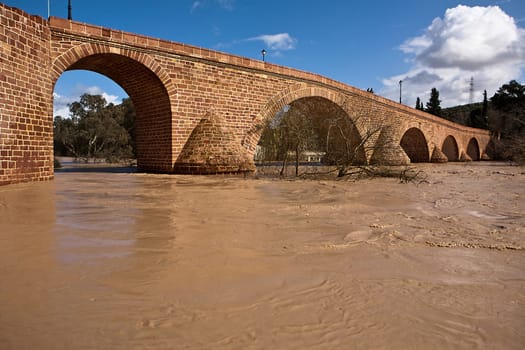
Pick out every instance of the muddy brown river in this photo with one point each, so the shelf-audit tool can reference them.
(96, 260)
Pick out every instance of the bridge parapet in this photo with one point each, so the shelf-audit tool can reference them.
(88, 32)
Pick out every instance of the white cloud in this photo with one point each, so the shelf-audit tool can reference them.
(225, 4)
(277, 42)
(95, 90)
(195, 6)
(61, 103)
(480, 42)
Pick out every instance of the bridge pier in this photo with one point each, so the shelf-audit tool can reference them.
(438, 156)
(212, 148)
(390, 155)
(387, 151)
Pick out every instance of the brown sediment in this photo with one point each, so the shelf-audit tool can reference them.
(98, 260)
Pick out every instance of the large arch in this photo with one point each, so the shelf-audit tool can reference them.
(318, 102)
(473, 149)
(337, 131)
(147, 86)
(450, 148)
(415, 145)
(278, 102)
(309, 99)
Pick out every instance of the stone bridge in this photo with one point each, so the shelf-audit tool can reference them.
(198, 110)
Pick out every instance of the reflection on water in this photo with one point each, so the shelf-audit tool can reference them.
(118, 260)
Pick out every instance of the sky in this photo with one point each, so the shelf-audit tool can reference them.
(367, 44)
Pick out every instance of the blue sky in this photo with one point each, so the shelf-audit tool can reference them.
(367, 44)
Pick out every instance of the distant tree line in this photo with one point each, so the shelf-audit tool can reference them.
(96, 130)
(503, 114)
(506, 119)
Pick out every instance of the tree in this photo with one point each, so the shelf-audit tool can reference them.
(94, 130)
(299, 133)
(272, 141)
(485, 108)
(128, 123)
(419, 105)
(434, 103)
(66, 137)
(507, 121)
(508, 95)
(509, 102)
(353, 146)
(477, 117)
(289, 132)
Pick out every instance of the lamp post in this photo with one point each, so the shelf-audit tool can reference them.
(263, 53)
(400, 91)
(69, 10)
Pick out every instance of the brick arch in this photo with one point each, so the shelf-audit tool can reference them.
(414, 143)
(473, 150)
(148, 86)
(64, 61)
(285, 97)
(450, 148)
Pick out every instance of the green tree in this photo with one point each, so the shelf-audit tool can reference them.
(66, 137)
(509, 104)
(434, 103)
(419, 105)
(508, 95)
(478, 116)
(485, 108)
(507, 121)
(94, 130)
(128, 123)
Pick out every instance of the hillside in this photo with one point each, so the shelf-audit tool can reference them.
(461, 114)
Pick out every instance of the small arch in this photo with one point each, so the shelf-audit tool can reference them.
(473, 149)
(415, 145)
(450, 148)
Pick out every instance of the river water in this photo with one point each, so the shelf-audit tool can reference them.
(98, 260)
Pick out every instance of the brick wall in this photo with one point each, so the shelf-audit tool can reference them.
(26, 126)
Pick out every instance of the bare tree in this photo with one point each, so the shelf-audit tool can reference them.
(355, 143)
(291, 131)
